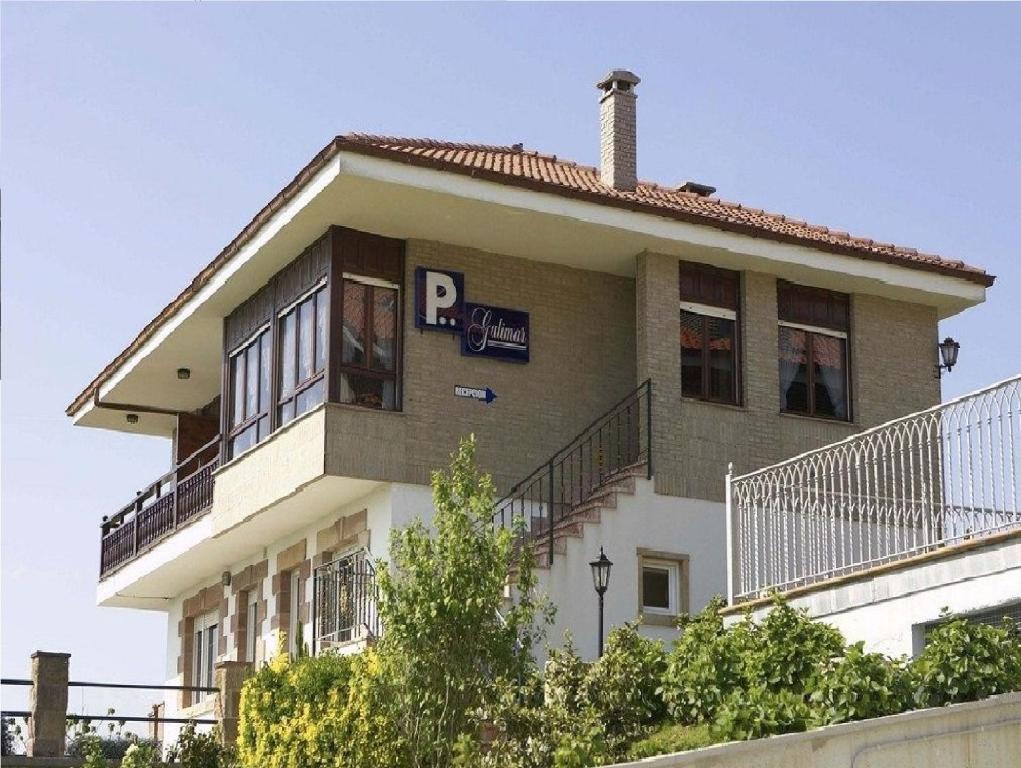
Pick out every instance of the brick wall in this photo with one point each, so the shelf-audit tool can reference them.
(892, 349)
(582, 327)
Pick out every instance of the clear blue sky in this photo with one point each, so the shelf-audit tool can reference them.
(138, 139)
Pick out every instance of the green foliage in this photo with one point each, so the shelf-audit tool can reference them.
(200, 750)
(142, 754)
(757, 711)
(671, 737)
(965, 661)
(451, 637)
(622, 686)
(705, 665)
(860, 686)
(288, 708)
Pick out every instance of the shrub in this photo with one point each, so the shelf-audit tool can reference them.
(859, 686)
(200, 750)
(621, 688)
(705, 665)
(142, 754)
(965, 661)
(671, 737)
(757, 711)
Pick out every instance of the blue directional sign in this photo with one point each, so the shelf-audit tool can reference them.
(475, 393)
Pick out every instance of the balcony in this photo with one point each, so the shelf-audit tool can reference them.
(174, 500)
(344, 607)
(946, 476)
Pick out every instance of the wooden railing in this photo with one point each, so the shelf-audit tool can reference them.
(177, 497)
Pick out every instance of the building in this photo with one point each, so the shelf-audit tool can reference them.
(613, 344)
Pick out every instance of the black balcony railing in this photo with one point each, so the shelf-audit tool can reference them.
(618, 440)
(344, 601)
(177, 497)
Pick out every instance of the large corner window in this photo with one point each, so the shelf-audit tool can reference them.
(249, 386)
(813, 354)
(205, 642)
(709, 358)
(369, 355)
(302, 349)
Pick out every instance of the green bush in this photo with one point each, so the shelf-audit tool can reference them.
(671, 737)
(757, 711)
(965, 661)
(859, 686)
(622, 686)
(705, 665)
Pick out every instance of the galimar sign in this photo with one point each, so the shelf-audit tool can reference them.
(486, 331)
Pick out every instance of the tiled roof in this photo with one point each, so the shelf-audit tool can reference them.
(516, 165)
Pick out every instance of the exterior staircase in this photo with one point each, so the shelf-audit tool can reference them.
(583, 479)
(590, 511)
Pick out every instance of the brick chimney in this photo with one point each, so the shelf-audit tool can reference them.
(618, 163)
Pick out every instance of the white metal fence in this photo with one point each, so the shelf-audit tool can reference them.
(922, 481)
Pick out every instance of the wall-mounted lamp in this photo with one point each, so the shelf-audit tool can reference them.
(132, 418)
(184, 373)
(948, 349)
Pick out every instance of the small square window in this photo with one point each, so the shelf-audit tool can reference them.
(660, 587)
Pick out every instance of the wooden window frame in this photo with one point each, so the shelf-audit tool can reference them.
(300, 387)
(367, 371)
(236, 429)
(717, 295)
(839, 326)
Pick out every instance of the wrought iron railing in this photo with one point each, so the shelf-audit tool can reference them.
(344, 601)
(174, 499)
(616, 441)
(926, 480)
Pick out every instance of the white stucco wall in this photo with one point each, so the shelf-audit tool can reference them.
(888, 611)
(644, 520)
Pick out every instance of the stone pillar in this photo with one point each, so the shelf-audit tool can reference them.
(46, 726)
(230, 676)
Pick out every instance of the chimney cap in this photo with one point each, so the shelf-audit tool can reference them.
(702, 190)
(618, 76)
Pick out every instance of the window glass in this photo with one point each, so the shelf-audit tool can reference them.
(829, 376)
(354, 324)
(250, 372)
(237, 372)
(252, 381)
(251, 629)
(322, 306)
(793, 370)
(656, 587)
(287, 349)
(368, 391)
(719, 339)
(384, 328)
(265, 361)
(691, 354)
(305, 339)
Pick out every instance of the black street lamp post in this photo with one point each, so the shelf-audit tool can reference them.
(601, 581)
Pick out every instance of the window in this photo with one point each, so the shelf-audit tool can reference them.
(251, 628)
(813, 351)
(662, 586)
(709, 359)
(249, 386)
(302, 350)
(206, 640)
(293, 620)
(659, 587)
(369, 354)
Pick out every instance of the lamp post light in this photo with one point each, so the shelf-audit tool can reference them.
(601, 581)
(948, 350)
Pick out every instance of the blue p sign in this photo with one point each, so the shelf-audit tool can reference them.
(439, 299)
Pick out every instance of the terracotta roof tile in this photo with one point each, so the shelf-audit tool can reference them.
(514, 163)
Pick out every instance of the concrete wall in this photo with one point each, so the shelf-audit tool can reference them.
(888, 610)
(892, 353)
(981, 734)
